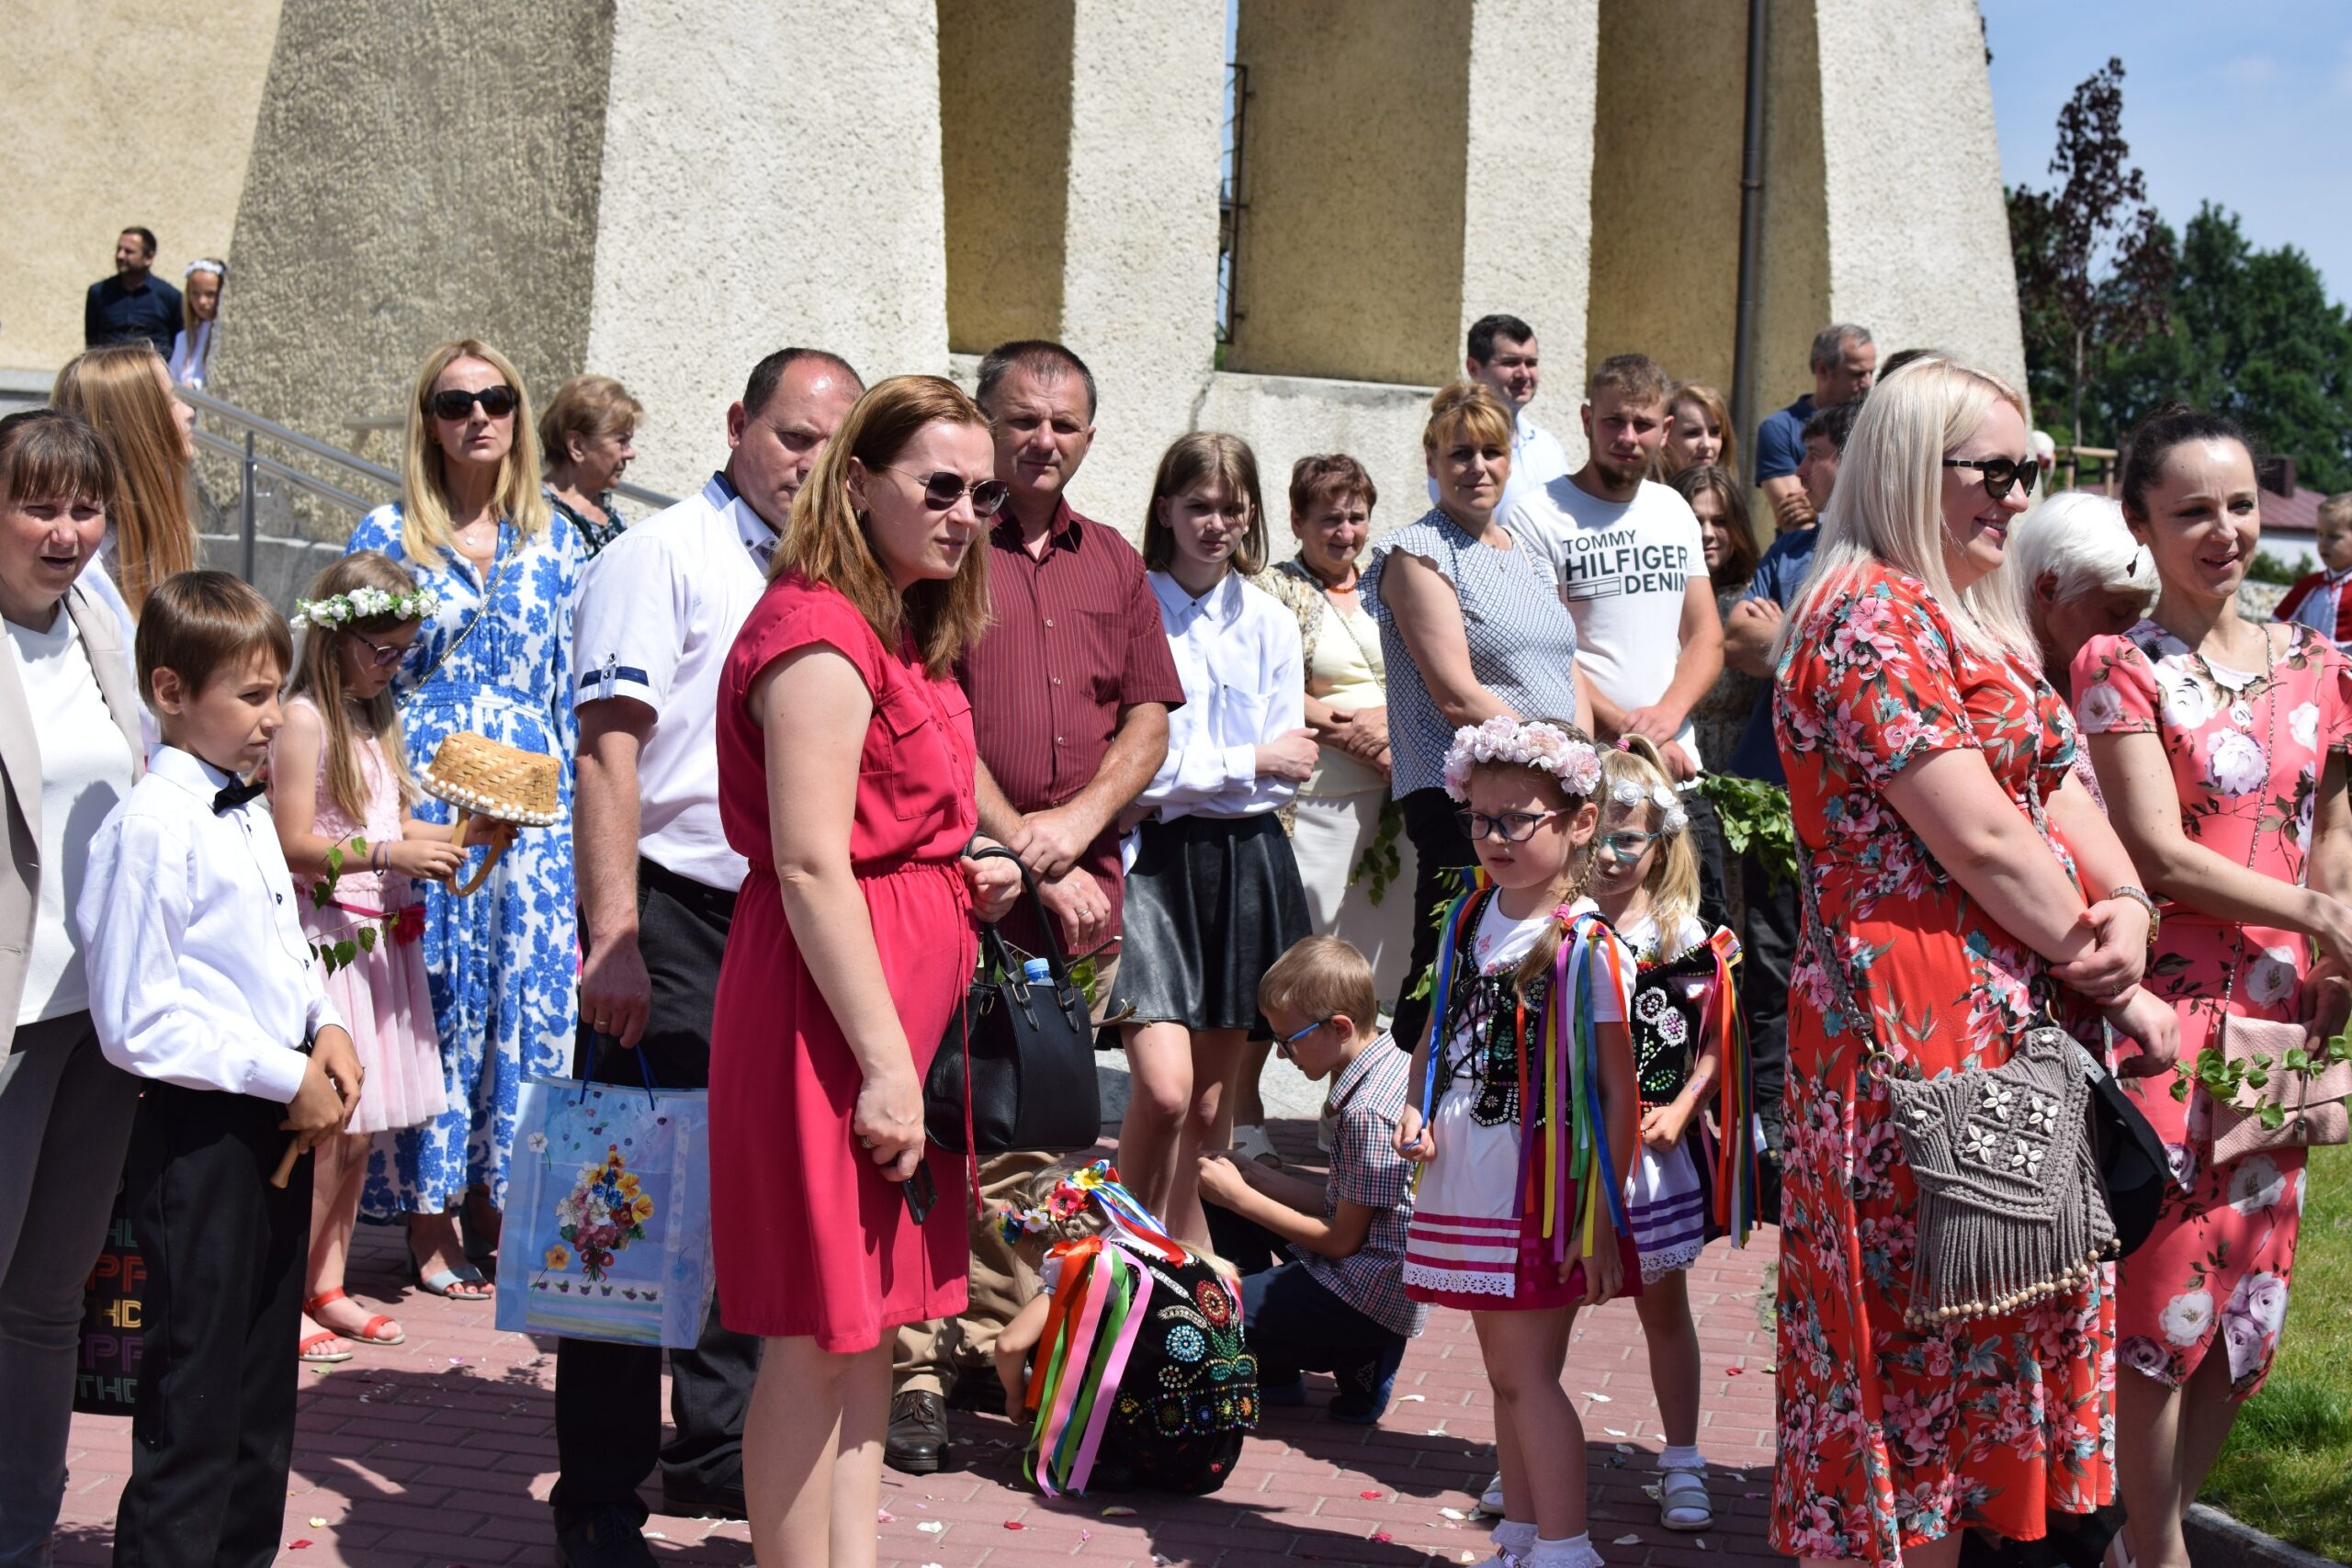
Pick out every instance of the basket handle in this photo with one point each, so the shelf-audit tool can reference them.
(457, 836)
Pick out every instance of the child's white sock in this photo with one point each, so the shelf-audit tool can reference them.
(1680, 1455)
(1574, 1552)
(1514, 1538)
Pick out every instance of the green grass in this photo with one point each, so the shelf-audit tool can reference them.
(2287, 1468)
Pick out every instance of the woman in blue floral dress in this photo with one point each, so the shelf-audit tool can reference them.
(473, 526)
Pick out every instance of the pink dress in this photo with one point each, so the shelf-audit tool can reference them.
(381, 994)
(2246, 756)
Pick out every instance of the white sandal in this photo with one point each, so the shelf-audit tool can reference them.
(1250, 1141)
(1682, 1501)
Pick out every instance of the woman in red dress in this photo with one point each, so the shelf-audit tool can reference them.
(846, 778)
(1918, 731)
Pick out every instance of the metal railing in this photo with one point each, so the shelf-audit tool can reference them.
(329, 475)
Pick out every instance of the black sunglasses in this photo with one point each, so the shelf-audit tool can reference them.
(496, 401)
(944, 489)
(2000, 473)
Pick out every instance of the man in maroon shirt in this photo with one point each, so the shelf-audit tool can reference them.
(1071, 690)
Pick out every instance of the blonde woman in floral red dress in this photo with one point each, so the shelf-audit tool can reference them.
(2216, 740)
(1916, 728)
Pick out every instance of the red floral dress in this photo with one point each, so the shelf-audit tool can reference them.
(1890, 1437)
(2246, 755)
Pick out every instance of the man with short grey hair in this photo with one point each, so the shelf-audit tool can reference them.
(1845, 362)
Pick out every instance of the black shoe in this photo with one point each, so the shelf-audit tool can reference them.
(609, 1537)
(704, 1503)
(917, 1440)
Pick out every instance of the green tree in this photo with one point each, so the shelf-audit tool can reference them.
(2092, 268)
(2255, 336)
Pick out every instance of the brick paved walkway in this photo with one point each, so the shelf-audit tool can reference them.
(440, 1452)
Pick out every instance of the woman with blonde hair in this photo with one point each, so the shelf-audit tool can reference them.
(1698, 433)
(1956, 879)
(847, 777)
(1471, 627)
(586, 434)
(191, 359)
(124, 392)
(473, 526)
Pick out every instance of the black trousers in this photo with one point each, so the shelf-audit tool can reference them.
(1295, 1323)
(1443, 855)
(608, 1397)
(214, 1429)
(1773, 917)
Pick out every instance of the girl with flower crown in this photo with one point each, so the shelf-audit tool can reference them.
(340, 795)
(1526, 1126)
(1687, 1186)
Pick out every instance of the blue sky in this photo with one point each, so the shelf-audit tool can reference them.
(2247, 104)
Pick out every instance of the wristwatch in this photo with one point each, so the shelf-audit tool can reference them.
(2139, 895)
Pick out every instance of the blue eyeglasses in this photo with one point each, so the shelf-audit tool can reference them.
(1282, 1046)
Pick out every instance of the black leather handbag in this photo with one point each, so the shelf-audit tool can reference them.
(1025, 1048)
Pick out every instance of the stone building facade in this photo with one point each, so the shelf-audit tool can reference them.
(663, 191)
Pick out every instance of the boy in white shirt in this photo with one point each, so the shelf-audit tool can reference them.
(202, 982)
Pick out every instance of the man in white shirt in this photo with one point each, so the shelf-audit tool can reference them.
(1501, 353)
(1631, 567)
(657, 614)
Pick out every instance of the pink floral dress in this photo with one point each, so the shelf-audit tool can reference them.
(2246, 753)
(1891, 1437)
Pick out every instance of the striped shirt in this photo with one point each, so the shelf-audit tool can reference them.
(1522, 642)
(1367, 1099)
(1074, 639)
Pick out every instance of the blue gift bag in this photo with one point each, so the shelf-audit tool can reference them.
(608, 1226)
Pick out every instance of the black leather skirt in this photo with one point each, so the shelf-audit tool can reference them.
(1210, 902)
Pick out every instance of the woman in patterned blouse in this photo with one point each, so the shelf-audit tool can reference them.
(587, 436)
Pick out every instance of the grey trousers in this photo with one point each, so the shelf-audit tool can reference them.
(65, 1119)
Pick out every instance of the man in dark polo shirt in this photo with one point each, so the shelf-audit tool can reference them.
(134, 305)
(1071, 690)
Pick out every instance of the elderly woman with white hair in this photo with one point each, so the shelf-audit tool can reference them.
(2077, 574)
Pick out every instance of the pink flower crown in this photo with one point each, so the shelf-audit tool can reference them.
(1538, 745)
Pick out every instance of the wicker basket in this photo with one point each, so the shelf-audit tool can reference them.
(490, 778)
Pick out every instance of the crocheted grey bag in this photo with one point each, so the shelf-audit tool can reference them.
(2011, 1211)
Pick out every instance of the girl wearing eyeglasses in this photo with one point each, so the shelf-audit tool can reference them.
(473, 525)
(1213, 894)
(1525, 1122)
(341, 787)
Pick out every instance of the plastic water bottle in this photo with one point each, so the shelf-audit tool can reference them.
(1036, 972)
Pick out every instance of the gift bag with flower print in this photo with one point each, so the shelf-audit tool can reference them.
(607, 1230)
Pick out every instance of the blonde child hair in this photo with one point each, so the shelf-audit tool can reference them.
(318, 674)
(1634, 778)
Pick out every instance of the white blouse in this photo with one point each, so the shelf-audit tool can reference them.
(1237, 651)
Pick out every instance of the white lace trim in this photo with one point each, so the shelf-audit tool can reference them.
(1657, 1266)
(1462, 1282)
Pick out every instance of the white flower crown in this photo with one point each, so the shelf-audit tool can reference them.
(365, 604)
(1671, 818)
(1546, 747)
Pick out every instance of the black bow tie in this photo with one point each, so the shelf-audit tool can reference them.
(236, 795)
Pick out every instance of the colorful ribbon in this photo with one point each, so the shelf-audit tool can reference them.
(1735, 1171)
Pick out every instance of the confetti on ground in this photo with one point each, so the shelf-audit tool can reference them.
(1733, 1371)
(1116, 1511)
(1650, 1490)
(1015, 1525)
(1436, 1431)
(655, 1534)
(317, 1521)
(296, 1545)
(457, 1360)
(1467, 1557)
(1625, 1448)
(1769, 1367)
(1412, 1399)
(1613, 1431)
(1384, 1538)
(1703, 1543)
(1453, 1513)
(933, 1526)
(1597, 1398)
(1627, 1540)
(1369, 1496)
(884, 1515)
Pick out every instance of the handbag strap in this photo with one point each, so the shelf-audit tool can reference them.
(489, 589)
(1058, 964)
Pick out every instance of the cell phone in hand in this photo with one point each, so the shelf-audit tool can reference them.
(922, 1195)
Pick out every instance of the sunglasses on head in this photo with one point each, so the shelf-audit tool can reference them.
(496, 401)
(2000, 473)
(944, 489)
